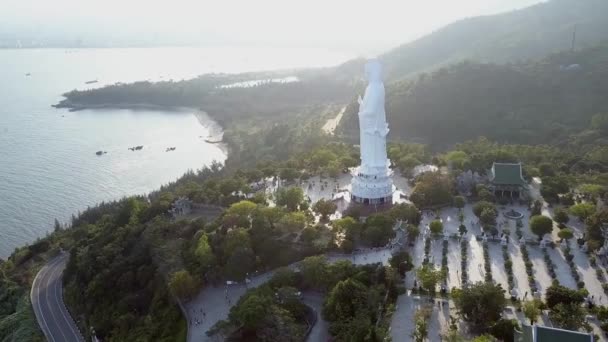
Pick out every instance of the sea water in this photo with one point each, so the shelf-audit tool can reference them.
(48, 163)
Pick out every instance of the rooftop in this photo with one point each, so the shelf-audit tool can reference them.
(507, 174)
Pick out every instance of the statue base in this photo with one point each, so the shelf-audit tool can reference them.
(372, 188)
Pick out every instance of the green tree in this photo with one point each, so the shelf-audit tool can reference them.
(239, 263)
(408, 162)
(462, 229)
(459, 202)
(600, 122)
(504, 329)
(541, 225)
(345, 300)
(428, 276)
(582, 210)
(458, 159)
(289, 174)
(565, 234)
(436, 227)
(290, 198)
(236, 239)
(531, 309)
(324, 208)
(239, 214)
(412, 232)
(378, 230)
(546, 170)
(557, 294)
(401, 261)
(561, 216)
(182, 284)
(567, 316)
(480, 304)
(203, 252)
(349, 226)
(282, 277)
(309, 234)
(321, 158)
(488, 217)
(314, 272)
(406, 212)
(271, 214)
(480, 206)
(252, 310)
(293, 222)
(432, 189)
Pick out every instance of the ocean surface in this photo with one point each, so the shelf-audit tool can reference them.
(48, 165)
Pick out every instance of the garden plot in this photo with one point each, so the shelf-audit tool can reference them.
(589, 276)
(541, 274)
(562, 270)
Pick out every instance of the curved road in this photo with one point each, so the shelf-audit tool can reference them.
(47, 300)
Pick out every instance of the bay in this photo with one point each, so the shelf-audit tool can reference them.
(48, 165)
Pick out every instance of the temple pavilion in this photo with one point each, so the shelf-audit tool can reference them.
(506, 180)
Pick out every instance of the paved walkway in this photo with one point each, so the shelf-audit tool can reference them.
(213, 303)
(320, 331)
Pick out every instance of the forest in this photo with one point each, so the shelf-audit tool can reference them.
(532, 102)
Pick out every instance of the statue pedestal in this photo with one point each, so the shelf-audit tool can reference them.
(372, 189)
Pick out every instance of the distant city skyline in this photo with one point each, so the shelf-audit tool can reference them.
(360, 27)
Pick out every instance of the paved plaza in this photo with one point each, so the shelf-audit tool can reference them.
(213, 303)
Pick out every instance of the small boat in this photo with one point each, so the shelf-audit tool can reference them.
(100, 152)
(169, 149)
(212, 141)
(91, 82)
(28, 74)
(136, 148)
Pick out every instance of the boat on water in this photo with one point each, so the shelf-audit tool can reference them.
(169, 149)
(99, 153)
(28, 74)
(91, 82)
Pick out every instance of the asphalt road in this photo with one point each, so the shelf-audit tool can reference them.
(47, 300)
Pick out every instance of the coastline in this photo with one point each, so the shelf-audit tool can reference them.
(216, 131)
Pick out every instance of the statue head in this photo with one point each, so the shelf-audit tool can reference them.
(373, 70)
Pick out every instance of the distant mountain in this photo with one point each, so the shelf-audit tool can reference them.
(532, 32)
(537, 102)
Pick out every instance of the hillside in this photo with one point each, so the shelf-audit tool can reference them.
(532, 102)
(532, 32)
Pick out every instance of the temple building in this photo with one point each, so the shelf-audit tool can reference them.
(507, 181)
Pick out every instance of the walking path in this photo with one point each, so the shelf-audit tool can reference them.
(213, 303)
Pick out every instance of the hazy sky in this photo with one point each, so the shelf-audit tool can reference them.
(346, 24)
